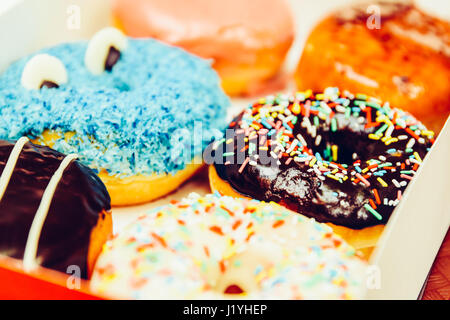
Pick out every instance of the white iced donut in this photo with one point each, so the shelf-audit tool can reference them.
(216, 247)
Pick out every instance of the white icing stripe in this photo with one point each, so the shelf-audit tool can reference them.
(29, 257)
(11, 164)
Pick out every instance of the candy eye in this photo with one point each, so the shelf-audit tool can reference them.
(43, 70)
(104, 50)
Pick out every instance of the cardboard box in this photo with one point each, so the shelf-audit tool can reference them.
(405, 251)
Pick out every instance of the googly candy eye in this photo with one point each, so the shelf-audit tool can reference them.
(104, 50)
(43, 70)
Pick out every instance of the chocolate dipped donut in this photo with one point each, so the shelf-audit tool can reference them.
(54, 211)
(336, 157)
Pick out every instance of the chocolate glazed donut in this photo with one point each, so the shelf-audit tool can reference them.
(334, 157)
(78, 204)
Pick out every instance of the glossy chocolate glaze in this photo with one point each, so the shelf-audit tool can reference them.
(79, 200)
(298, 187)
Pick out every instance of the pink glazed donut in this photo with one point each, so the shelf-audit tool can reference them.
(247, 40)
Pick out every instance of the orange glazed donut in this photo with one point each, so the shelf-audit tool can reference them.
(405, 59)
(247, 40)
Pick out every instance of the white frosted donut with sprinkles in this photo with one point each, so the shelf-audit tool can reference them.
(216, 247)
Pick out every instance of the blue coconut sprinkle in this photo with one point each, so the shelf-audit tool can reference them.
(137, 119)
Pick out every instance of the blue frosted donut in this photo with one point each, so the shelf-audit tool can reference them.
(130, 121)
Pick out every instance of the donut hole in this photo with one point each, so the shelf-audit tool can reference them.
(239, 275)
(233, 289)
(349, 146)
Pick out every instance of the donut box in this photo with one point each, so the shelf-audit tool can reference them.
(409, 243)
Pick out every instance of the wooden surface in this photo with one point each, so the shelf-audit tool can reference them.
(438, 285)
